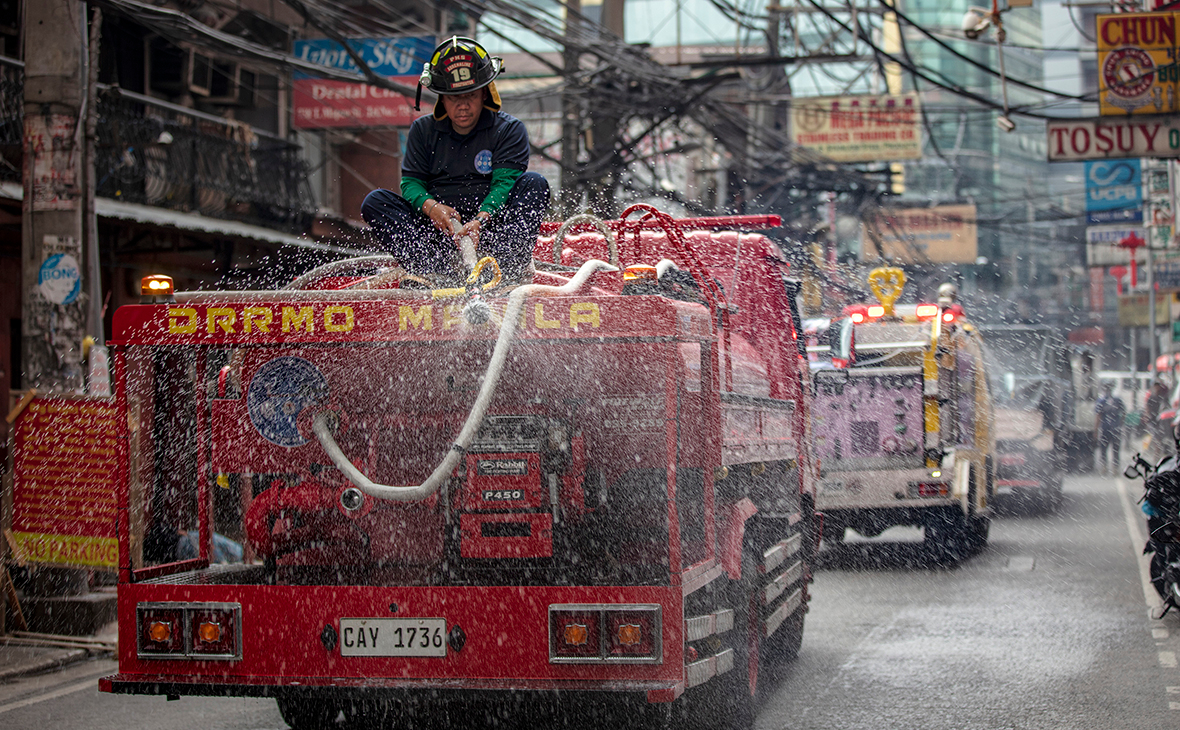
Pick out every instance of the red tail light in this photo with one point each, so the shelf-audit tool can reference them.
(931, 489)
(604, 632)
(858, 313)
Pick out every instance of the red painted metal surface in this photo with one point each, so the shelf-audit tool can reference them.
(637, 381)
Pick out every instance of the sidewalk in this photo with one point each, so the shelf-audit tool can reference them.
(23, 653)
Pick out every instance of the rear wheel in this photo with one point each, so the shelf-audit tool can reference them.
(307, 712)
(948, 535)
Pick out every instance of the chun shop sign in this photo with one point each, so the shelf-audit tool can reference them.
(1137, 64)
(1100, 138)
(323, 103)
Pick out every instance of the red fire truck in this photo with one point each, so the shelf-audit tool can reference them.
(597, 482)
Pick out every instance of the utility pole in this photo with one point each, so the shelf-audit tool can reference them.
(605, 120)
(571, 117)
(54, 299)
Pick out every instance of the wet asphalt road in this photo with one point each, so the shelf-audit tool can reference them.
(1046, 629)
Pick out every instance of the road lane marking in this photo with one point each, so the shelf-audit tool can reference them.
(68, 690)
(1174, 690)
(1138, 539)
(1159, 633)
(1168, 659)
(1174, 705)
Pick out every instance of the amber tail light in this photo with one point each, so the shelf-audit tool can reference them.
(189, 630)
(586, 633)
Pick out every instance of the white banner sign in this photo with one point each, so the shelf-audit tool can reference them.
(1100, 138)
(862, 128)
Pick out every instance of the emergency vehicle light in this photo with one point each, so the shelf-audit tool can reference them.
(858, 313)
(876, 311)
(636, 272)
(156, 285)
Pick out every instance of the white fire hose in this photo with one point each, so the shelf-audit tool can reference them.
(323, 429)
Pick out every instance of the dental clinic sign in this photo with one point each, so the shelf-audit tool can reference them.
(1103, 138)
(322, 103)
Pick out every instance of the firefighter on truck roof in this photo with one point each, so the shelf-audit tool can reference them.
(463, 175)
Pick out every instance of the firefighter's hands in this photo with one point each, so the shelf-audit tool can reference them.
(471, 229)
(441, 215)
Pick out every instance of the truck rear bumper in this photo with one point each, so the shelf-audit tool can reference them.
(884, 489)
(184, 686)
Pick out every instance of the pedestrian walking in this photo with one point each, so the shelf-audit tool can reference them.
(1110, 412)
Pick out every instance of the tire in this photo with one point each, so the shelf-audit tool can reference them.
(833, 533)
(948, 536)
(307, 712)
(731, 702)
(786, 642)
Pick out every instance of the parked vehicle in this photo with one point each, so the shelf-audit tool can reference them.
(903, 423)
(1030, 368)
(1161, 505)
(603, 492)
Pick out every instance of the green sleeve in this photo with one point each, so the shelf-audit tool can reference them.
(414, 191)
(503, 178)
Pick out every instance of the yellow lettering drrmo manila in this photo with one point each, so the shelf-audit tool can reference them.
(542, 316)
(341, 318)
(186, 320)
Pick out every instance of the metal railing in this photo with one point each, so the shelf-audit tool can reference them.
(160, 154)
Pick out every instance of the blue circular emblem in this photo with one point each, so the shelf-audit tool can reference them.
(278, 392)
(483, 162)
(60, 279)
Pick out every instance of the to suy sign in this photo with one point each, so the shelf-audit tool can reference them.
(1101, 138)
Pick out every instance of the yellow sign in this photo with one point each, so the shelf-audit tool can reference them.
(1133, 310)
(1137, 71)
(91, 552)
(887, 285)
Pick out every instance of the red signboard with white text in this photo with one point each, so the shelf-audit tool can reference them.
(320, 103)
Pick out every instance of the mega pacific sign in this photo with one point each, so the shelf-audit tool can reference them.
(1101, 138)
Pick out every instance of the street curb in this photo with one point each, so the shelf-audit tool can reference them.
(55, 662)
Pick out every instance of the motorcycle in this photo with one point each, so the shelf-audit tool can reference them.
(1161, 504)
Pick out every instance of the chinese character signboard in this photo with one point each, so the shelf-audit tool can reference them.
(1137, 63)
(943, 234)
(322, 103)
(65, 467)
(1114, 192)
(859, 128)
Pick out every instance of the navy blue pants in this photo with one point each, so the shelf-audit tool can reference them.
(509, 236)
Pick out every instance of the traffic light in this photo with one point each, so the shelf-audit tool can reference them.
(896, 178)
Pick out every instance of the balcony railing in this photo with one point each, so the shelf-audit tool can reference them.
(160, 154)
